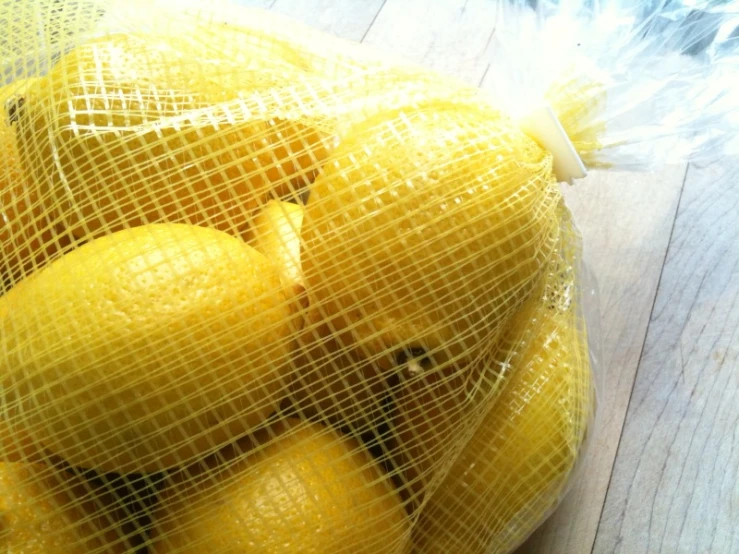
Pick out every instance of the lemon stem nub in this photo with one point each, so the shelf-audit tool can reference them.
(415, 361)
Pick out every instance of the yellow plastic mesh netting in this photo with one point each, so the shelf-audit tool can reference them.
(268, 291)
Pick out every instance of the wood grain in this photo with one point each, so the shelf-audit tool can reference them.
(675, 485)
(625, 219)
(449, 36)
(261, 4)
(349, 19)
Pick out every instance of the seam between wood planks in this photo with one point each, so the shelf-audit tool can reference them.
(484, 73)
(372, 23)
(641, 354)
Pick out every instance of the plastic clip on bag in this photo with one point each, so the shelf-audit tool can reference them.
(269, 291)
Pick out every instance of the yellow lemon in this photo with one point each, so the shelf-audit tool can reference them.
(254, 32)
(437, 412)
(133, 129)
(275, 232)
(514, 469)
(28, 239)
(45, 510)
(426, 229)
(331, 382)
(327, 381)
(18, 446)
(299, 488)
(514, 461)
(146, 348)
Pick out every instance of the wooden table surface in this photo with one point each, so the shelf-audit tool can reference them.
(662, 474)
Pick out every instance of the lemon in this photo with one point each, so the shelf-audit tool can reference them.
(436, 413)
(426, 229)
(268, 34)
(275, 232)
(17, 446)
(307, 489)
(327, 382)
(28, 239)
(44, 510)
(331, 382)
(517, 457)
(131, 129)
(146, 348)
(513, 471)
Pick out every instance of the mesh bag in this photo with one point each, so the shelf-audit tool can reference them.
(264, 290)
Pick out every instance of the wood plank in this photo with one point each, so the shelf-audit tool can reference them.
(675, 485)
(625, 219)
(262, 4)
(450, 36)
(347, 19)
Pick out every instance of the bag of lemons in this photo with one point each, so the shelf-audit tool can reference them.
(268, 291)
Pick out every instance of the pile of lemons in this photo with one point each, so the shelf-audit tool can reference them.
(307, 304)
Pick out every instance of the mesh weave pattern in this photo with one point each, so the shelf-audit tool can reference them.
(266, 291)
